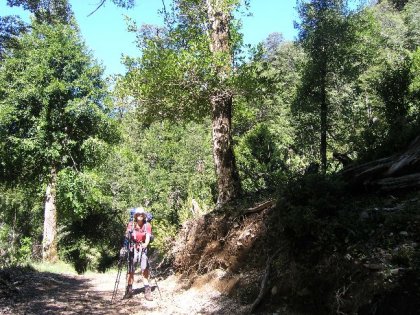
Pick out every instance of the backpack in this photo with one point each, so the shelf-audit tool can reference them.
(149, 218)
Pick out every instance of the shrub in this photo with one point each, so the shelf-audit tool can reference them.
(260, 161)
(308, 206)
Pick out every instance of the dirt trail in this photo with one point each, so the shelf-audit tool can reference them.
(215, 246)
(47, 293)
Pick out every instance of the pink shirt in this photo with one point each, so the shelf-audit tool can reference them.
(139, 233)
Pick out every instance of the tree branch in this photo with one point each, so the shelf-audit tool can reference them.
(261, 207)
(99, 6)
(264, 282)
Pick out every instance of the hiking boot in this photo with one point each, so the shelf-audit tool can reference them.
(128, 292)
(148, 293)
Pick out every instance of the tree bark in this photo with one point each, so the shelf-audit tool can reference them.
(221, 101)
(224, 159)
(49, 243)
(324, 137)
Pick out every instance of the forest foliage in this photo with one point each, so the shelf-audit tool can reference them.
(349, 85)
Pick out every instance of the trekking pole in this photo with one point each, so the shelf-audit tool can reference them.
(126, 256)
(151, 273)
(117, 280)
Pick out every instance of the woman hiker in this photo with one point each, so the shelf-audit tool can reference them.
(138, 235)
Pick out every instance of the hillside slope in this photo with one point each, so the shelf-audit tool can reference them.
(316, 251)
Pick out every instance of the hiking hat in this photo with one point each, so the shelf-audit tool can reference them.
(139, 210)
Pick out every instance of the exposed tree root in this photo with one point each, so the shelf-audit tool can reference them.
(263, 289)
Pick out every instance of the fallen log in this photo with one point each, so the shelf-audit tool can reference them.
(395, 183)
(261, 207)
(399, 171)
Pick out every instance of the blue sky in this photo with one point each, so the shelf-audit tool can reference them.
(105, 31)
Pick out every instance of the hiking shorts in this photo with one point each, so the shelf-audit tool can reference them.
(138, 257)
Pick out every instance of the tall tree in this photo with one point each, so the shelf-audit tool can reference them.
(186, 72)
(219, 14)
(50, 12)
(323, 34)
(51, 106)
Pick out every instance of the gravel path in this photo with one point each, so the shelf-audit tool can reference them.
(48, 293)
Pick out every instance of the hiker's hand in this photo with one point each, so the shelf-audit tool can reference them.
(143, 245)
(123, 252)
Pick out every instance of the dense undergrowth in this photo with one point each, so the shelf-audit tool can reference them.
(339, 252)
(345, 253)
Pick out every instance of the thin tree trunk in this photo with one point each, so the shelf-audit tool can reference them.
(324, 123)
(49, 243)
(227, 176)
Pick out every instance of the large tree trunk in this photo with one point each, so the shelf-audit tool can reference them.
(224, 159)
(227, 176)
(49, 243)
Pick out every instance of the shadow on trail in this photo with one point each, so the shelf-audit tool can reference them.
(26, 291)
(139, 291)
